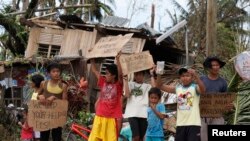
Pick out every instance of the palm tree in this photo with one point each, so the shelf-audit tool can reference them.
(95, 12)
(17, 35)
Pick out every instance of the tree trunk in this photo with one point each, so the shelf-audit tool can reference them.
(14, 4)
(211, 27)
(153, 16)
(25, 5)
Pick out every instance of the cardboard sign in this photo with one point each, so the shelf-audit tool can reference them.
(242, 65)
(108, 46)
(45, 117)
(136, 62)
(214, 105)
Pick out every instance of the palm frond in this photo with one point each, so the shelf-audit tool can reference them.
(171, 16)
(107, 9)
(112, 2)
(180, 8)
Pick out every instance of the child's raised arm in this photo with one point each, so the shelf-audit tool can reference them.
(126, 87)
(201, 87)
(93, 68)
(164, 87)
(119, 68)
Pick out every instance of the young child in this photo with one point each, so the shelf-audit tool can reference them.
(188, 96)
(137, 103)
(155, 116)
(35, 85)
(27, 131)
(107, 122)
(49, 91)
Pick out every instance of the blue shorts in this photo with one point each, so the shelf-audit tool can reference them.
(154, 138)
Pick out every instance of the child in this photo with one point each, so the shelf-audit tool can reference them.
(137, 103)
(51, 90)
(35, 85)
(155, 116)
(188, 96)
(26, 132)
(107, 122)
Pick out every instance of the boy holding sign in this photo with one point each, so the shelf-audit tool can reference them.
(188, 112)
(136, 93)
(214, 84)
(51, 90)
(108, 107)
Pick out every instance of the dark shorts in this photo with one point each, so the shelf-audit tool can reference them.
(188, 133)
(138, 126)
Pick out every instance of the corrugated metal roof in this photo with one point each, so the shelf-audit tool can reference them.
(115, 21)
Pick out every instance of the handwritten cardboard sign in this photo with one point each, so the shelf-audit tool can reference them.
(108, 46)
(136, 62)
(215, 104)
(45, 117)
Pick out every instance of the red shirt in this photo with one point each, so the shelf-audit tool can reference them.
(27, 132)
(110, 99)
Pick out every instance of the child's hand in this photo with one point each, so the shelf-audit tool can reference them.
(152, 70)
(92, 61)
(194, 73)
(153, 106)
(20, 123)
(118, 56)
(51, 99)
(41, 98)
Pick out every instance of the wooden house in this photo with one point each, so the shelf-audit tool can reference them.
(69, 40)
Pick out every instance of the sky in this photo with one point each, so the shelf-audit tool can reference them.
(141, 13)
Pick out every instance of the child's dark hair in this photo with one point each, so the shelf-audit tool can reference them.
(112, 68)
(156, 91)
(53, 65)
(143, 72)
(37, 79)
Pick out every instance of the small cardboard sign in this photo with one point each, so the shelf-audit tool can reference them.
(214, 105)
(136, 62)
(44, 117)
(108, 46)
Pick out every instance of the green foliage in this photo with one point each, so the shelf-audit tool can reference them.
(241, 113)
(85, 118)
(16, 34)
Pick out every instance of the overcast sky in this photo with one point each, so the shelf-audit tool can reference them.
(141, 12)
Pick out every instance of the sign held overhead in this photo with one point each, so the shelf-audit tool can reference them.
(136, 62)
(108, 46)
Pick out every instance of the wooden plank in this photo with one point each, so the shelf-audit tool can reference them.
(71, 42)
(32, 42)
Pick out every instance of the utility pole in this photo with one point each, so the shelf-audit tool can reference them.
(152, 16)
(211, 33)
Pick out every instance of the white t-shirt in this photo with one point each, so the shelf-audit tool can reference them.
(188, 110)
(137, 104)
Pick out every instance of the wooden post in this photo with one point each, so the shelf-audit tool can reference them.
(211, 41)
(152, 15)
